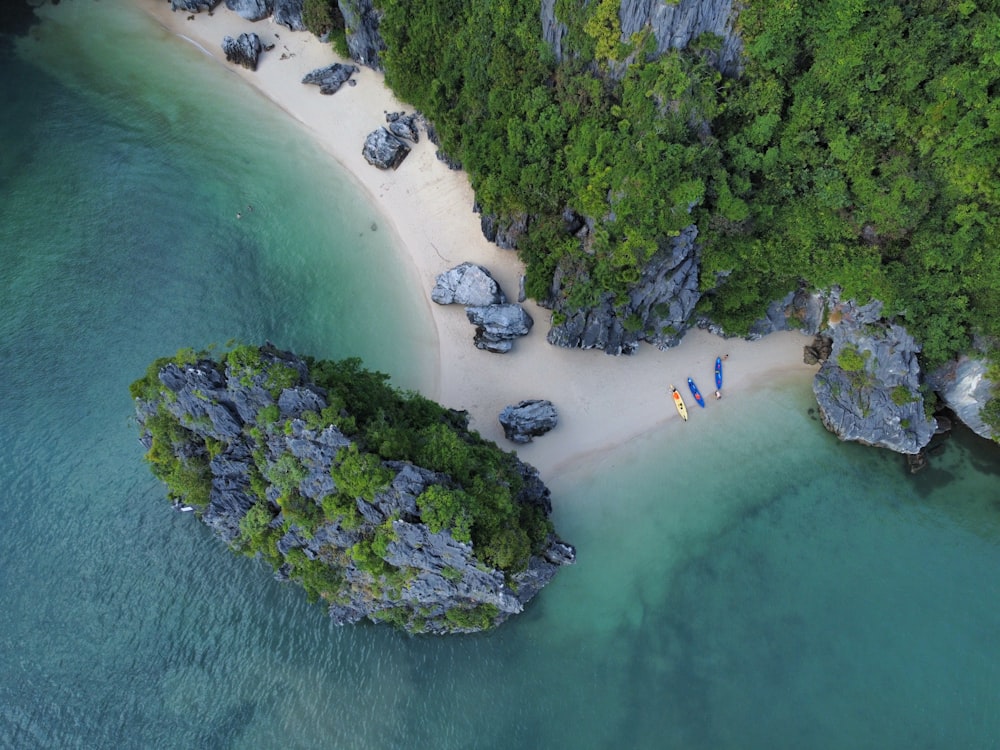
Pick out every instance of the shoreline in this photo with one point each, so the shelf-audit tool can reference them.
(602, 401)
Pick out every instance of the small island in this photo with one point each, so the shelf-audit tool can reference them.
(380, 503)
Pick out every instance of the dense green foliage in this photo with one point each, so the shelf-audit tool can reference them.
(477, 500)
(858, 148)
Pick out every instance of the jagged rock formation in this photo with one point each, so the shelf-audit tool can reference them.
(404, 125)
(498, 325)
(361, 21)
(331, 78)
(288, 13)
(384, 150)
(658, 310)
(674, 25)
(243, 50)
(247, 445)
(503, 232)
(467, 284)
(801, 310)
(251, 10)
(964, 387)
(869, 388)
(528, 419)
(193, 6)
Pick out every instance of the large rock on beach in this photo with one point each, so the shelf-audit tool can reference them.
(243, 50)
(404, 125)
(869, 388)
(330, 78)
(467, 284)
(251, 10)
(528, 419)
(497, 326)
(384, 150)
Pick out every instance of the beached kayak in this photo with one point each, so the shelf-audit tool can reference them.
(696, 393)
(679, 403)
(718, 373)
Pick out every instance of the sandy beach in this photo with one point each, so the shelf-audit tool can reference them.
(602, 401)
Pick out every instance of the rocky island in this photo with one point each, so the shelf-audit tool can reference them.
(381, 504)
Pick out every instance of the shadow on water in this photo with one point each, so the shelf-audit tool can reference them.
(16, 18)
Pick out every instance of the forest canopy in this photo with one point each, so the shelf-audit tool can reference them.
(858, 147)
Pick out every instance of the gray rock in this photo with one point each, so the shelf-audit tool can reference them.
(288, 13)
(404, 125)
(869, 389)
(441, 573)
(362, 19)
(965, 388)
(498, 325)
(384, 150)
(658, 310)
(243, 50)
(528, 419)
(503, 232)
(330, 78)
(193, 6)
(467, 284)
(801, 310)
(251, 10)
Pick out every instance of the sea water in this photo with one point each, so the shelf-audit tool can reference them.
(753, 585)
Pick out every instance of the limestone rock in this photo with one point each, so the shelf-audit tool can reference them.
(243, 50)
(497, 326)
(467, 284)
(330, 78)
(404, 125)
(364, 42)
(193, 6)
(242, 452)
(965, 389)
(528, 419)
(251, 10)
(384, 150)
(658, 310)
(869, 388)
(800, 310)
(288, 13)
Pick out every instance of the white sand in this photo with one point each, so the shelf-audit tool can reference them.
(602, 401)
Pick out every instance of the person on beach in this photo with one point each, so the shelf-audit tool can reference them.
(718, 394)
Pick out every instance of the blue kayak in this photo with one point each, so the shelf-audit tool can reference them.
(696, 393)
(718, 373)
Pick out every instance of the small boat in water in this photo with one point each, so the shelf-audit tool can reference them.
(696, 393)
(679, 403)
(718, 373)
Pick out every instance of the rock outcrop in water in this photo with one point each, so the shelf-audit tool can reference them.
(869, 388)
(275, 461)
(965, 388)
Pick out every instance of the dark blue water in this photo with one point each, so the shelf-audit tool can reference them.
(767, 588)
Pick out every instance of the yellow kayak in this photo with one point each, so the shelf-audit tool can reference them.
(679, 403)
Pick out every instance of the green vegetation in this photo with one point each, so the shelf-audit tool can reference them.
(858, 148)
(477, 501)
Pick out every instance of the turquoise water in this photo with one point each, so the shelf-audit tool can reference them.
(761, 586)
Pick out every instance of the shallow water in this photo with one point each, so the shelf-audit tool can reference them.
(758, 586)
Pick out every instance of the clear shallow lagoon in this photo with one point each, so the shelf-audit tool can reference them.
(761, 586)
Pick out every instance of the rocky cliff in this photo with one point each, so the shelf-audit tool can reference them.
(965, 388)
(275, 464)
(869, 390)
